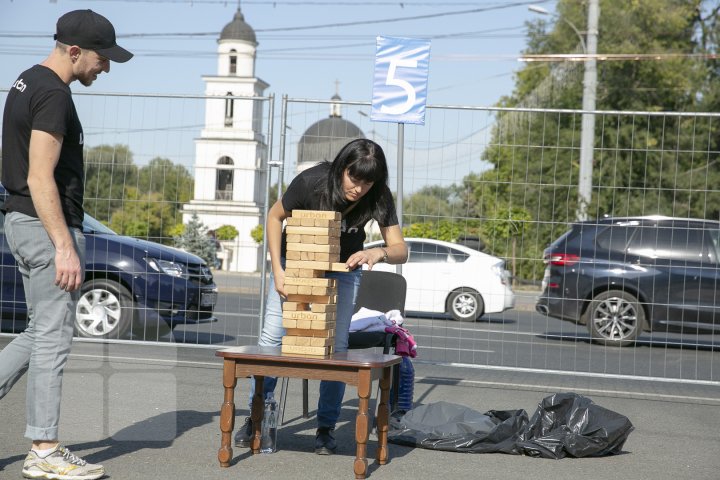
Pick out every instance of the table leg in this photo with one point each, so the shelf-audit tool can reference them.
(227, 413)
(383, 416)
(362, 422)
(256, 413)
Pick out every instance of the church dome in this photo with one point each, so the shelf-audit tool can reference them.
(323, 139)
(238, 30)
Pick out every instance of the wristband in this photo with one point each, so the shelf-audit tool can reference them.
(385, 255)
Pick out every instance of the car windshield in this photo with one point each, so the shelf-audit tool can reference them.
(91, 225)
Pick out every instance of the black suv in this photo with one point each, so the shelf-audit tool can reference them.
(620, 276)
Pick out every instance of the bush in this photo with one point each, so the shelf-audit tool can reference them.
(226, 232)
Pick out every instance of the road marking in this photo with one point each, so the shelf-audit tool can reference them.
(615, 376)
(605, 392)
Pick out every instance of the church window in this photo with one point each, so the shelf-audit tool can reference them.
(229, 108)
(224, 179)
(233, 62)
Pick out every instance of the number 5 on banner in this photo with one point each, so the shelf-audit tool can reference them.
(400, 84)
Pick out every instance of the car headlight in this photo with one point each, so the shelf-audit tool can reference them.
(174, 269)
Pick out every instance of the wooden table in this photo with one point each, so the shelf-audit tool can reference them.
(353, 368)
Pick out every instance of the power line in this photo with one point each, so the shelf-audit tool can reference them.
(401, 19)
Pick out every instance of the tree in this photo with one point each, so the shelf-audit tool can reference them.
(194, 239)
(146, 216)
(108, 170)
(642, 165)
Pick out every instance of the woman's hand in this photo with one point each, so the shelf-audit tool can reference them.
(280, 282)
(365, 257)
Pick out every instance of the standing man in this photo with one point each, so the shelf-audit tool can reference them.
(42, 170)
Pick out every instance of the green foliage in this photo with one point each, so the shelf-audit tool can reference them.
(146, 216)
(258, 234)
(141, 202)
(447, 230)
(196, 240)
(177, 230)
(642, 165)
(108, 169)
(226, 232)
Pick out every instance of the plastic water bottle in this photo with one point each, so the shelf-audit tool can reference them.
(268, 439)
(406, 385)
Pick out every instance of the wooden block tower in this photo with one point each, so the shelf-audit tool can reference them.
(313, 248)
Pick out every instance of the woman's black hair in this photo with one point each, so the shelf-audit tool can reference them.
(364, 160)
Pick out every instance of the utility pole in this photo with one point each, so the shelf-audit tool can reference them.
(587, 136)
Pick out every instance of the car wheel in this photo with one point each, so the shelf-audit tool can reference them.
(614, 318)
(465, 305)
(104, 310)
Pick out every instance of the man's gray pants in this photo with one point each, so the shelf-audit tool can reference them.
(43, 348)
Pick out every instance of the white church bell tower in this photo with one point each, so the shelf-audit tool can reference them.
(230, 155)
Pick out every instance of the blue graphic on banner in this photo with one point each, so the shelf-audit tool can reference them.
(401, 75)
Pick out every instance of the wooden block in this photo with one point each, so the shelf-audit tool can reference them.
(319, 325)
(304, 324)
(322, 291)
(323, 307)
(313, 298)
(311, 256)
(311, 247)
(331, 266)
(323, 239)
(298, 332)
(313, 222)
(294, 256)
(304, 272)
(295, 307)
(295, 315)
(301, 230)
(320, 256)
(314, 351)
(308, 341)
(299, 289)
(338, 267)
(316, 214)
(287, 324)
(313, 282)
(324, 222)
(293, 238)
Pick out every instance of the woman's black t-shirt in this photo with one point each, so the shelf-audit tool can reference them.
(304, 193)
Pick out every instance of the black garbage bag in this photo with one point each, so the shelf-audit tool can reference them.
(451, 427)
(564, 424)
(570, 424)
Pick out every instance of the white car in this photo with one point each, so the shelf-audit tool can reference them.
(444, 277)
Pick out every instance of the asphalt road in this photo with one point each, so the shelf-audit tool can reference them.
(518, 338)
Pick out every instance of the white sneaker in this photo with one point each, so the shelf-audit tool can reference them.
(60, 464)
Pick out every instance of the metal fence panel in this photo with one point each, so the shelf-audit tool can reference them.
(506, 176)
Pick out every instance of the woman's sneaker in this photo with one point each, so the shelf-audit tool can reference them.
(60, 464)
(243, 436)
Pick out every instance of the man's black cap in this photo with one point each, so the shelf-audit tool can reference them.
(90, 30)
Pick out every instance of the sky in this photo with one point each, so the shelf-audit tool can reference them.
(307, 49)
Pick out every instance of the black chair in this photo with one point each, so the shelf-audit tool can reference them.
(382, 291)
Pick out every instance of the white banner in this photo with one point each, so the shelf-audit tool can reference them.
(401, 75)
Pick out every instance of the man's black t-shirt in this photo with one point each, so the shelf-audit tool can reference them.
(40, 100)
(304, 193)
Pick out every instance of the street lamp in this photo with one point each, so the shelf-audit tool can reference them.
(587, 135)
(542, 11)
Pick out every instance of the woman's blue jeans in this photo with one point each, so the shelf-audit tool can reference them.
(331, 393)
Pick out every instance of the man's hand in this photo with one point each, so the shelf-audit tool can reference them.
(68, 274)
